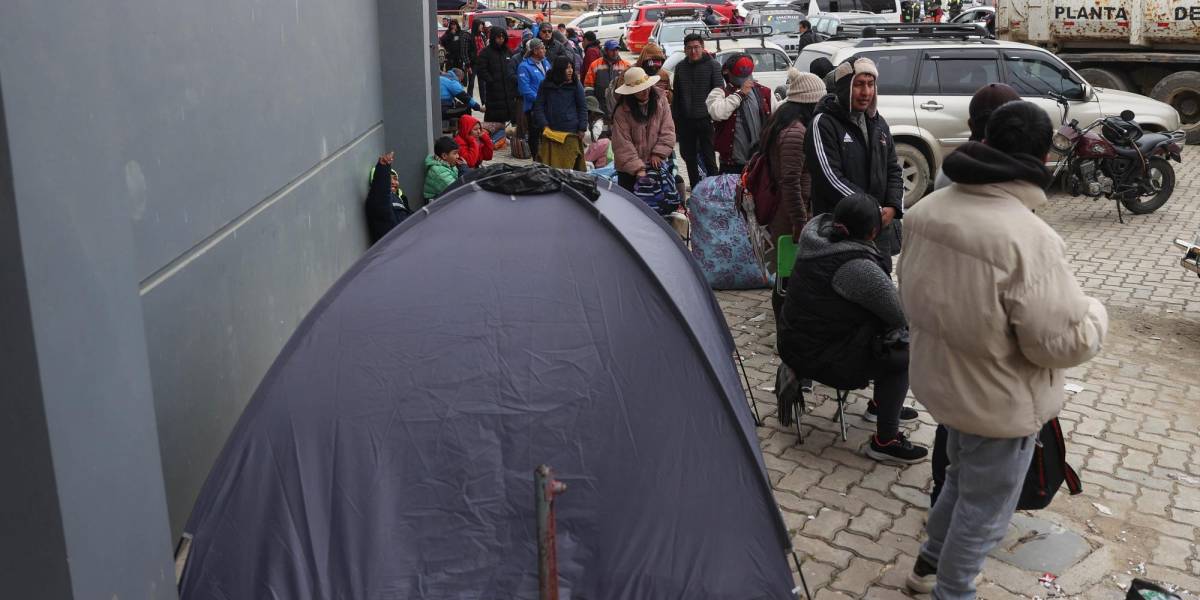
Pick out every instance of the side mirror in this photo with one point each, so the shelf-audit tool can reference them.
(781, 92)
(1127, 115)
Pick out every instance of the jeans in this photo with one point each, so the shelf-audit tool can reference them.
(696, 138)
(978, 499)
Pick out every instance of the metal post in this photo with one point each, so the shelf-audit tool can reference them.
(547, 488)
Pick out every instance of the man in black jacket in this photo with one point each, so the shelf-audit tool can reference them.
(807, 35)
(850, 150)
(497, 70)
(695, 77)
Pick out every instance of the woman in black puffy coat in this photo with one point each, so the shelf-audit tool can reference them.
(460, 48)
(497, 70)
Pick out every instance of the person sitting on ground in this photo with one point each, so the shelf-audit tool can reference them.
(651, 61)
(441, 167)
(474, 144)
(560, 114)
(386, 206)
(840, 304)
(739, 111)
(455, 101)
(643, 135)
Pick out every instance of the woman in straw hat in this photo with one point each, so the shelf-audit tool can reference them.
(783, 144)
(643, 135)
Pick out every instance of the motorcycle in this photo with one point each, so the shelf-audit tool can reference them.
(1120, 161)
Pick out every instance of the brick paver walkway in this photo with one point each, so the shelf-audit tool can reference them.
(1132, 431)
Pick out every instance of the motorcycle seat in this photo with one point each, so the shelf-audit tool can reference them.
(1148, 141)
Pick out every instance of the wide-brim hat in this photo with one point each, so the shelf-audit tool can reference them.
(637, 80)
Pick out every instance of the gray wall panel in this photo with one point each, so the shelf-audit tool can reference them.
(209, 351)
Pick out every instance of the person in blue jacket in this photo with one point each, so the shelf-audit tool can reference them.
(452, 90)
(530, 75)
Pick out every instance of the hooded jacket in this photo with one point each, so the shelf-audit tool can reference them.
(498, 73)
(994, 309)
(561, 107)
(652, 51)
(438, 176)
(839, 298)
(473, 150)
(635, 142)
(460, 49)
(844, 161)
(693, 82)
(384, 209)
(600, 77)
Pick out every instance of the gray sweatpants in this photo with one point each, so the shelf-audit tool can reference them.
(983, 484)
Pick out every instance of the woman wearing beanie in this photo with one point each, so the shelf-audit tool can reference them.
(783, 145)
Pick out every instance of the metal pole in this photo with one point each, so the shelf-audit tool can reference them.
(547, 488)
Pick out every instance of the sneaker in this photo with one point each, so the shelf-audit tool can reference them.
(908, 414)
(806, 386)
(923, 577)
(898, 449)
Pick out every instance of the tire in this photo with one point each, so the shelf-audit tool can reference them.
(915, 169)
(1182, 91)
(1106, 78)
(1165, 185)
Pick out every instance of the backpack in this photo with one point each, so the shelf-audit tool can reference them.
(657, 189)
(763, 188)
(1048, 470)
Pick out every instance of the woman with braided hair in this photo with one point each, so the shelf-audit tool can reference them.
(842, 324)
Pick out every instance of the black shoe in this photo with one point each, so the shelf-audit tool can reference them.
(898, 449)
(907, 413)
(806, 386)
(923, 576)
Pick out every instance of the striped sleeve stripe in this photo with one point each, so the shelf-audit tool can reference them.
(824, 160)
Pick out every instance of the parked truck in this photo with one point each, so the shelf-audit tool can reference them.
(1150, 47)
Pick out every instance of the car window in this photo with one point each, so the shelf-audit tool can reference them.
(957, 74)
(804, 61)
(653, 14)
(781, 22)
(613, 19)
(879, 6)
(1033, 73)
(589, 22)
(897, 69)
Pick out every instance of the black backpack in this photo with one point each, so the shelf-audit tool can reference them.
(1048, 470)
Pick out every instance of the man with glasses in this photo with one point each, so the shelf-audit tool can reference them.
(695, 77)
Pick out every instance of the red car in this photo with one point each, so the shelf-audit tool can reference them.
(516, 24)
(642, 23)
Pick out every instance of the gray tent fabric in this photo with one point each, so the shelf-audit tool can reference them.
(389, 451)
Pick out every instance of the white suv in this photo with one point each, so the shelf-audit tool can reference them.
(926, 81)
(607, 24)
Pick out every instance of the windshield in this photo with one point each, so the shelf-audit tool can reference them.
(669, 34)
(782, 23)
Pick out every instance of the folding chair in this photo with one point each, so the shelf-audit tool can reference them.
(785, 262)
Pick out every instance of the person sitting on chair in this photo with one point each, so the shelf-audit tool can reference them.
(842, 324)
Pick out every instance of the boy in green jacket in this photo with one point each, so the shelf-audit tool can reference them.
(441, 167)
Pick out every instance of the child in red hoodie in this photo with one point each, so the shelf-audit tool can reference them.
(474, 144)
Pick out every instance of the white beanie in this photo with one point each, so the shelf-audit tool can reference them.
(804, 88)
(858, 65)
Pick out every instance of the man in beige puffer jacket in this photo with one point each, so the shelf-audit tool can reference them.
(996, 315)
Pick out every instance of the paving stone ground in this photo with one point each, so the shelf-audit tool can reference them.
(1132, 433)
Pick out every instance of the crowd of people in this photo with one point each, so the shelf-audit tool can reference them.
(985, 317)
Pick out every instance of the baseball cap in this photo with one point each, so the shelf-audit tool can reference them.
(740, 69)
(611, 45)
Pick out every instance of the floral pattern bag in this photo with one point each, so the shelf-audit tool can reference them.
(720, 237)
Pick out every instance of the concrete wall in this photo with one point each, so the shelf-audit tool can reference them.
(179, 183)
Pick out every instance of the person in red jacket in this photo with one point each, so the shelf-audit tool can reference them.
(474, 144)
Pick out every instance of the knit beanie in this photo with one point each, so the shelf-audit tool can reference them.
(854, 67)
(535, 43)
(987, 99)
(804, 88)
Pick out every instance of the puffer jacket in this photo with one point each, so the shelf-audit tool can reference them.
(438, 177)
(473, 150)
(994, 309)
(693, 82)
(496, 69)
(560, 107)
(634, 142)
(786, 158)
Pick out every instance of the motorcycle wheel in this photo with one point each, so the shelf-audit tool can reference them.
(1162, 179)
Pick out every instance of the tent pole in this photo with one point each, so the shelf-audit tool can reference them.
(796, 559)
(749, 388)
(546, 488)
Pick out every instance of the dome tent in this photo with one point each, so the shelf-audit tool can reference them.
(389, 451)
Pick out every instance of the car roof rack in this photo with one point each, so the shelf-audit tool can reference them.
(887, 32)
(718, 33)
